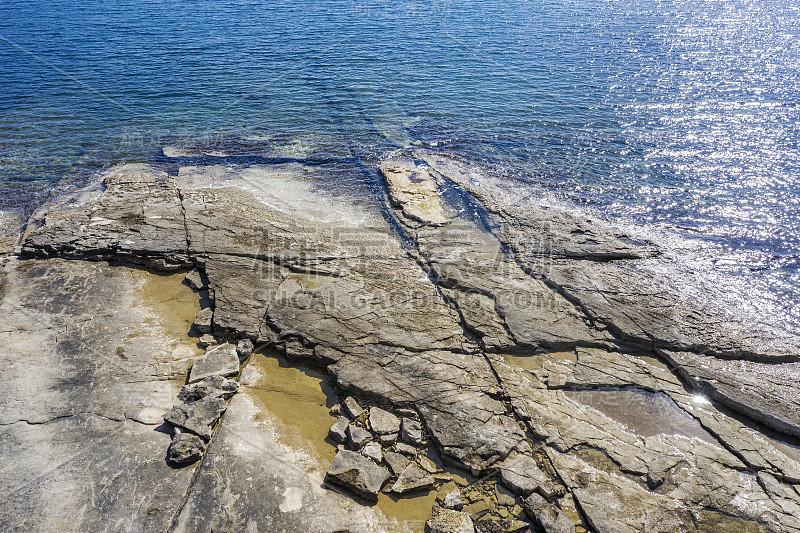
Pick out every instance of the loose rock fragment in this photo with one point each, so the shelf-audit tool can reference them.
(396, 462)
(355, 472)
(373, 451)
(383, 422)
(358, 436)
(412, 478)
(351, 407)
(338, 431)
(411, 431)
(219, 361)
(186, 448)
(453, 500)
(388, 440)
(195, 280)
(406, 449)
(547, 516)
(244, 348)
(449, 521)
(197, 417)
(206, 340)
(212, 386)
(521, 474)
(202, 323)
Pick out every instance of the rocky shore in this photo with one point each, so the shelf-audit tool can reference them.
(520, 366)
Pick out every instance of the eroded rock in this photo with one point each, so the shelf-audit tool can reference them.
(412, 478)
(221, 360)
(355, 472)
(449, 521)
(383, 422)
(213, 386)
(197, 417)
(547, 516)
(185, 449)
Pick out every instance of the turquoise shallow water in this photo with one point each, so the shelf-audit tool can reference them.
(679, 114)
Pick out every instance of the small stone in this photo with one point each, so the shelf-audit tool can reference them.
(411, 431)
(449, 521)
(197, 417)
(206, 340)
(373, 451)
(453, 500)
(383, 422)
(336, 410)
(427, 464)
(405, 449)
(355, 472)
(351, 407)
(489, 526)
(202, 323)
(408, 413)
(479, 508)
(396, 462)
(388, 440)
(212, 386)
(358, 436)
(338, 431)
(412, 478)
(547, 516)
(185, 449)
(244, 348)
(195, 280)
(218, 361)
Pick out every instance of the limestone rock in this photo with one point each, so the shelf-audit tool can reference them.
(453, 500)
(547, 516)
(414, 191)
(411, 431)
(388, 440)
(206, 340)
(202, 324)
(195, 280)
(186, 448)
(197, 417)
(338, 431)
(522, 475)
(358, 474)
(218, 361)
(244, 348)
(373, 451)
(412, 478)
(352, 408)
(358, 436)
(449, 521)
(396, 462)
(213, 386)
(383, 422)
(405, 449)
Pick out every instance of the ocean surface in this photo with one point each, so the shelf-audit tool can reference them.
(680, 115)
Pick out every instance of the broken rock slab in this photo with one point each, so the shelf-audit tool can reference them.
(522, 475)
(449, 521)
(358, 474)
(547, 516)
(412, 478)
(383, 422)
(197, 417)
(338, 431)
(186, 448)
(221, 360)
(358, 436)
(212, 386)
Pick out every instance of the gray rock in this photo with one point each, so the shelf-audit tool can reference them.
(383, 422)
(411, 431)
(388, 440)
(185, 449)
(244, 348)
(358, 474)
(412, 478)
(396, 462)
(202, 324)
(406, 449)
(206, 341)
(522, 475)
(195, 280)
(547, 516)
(218, 361)
(197, 417)
(452, 500)
(373, 451)
(212, 386)
(352, 408)
(357, 436)
(338, 431)
(449, 521)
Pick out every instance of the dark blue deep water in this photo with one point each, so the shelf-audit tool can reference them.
(682, 114)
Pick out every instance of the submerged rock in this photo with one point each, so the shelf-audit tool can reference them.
(185, 449)
(355, 472)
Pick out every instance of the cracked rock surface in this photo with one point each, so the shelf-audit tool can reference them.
(554, 351)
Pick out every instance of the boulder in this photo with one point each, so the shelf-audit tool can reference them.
(358, 474)
(206, 340)
(221, 360)
(185, 449)
(383, 422)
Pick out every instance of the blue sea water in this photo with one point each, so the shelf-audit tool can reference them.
(674, 113)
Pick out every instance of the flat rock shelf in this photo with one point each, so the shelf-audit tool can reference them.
(508, 367)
